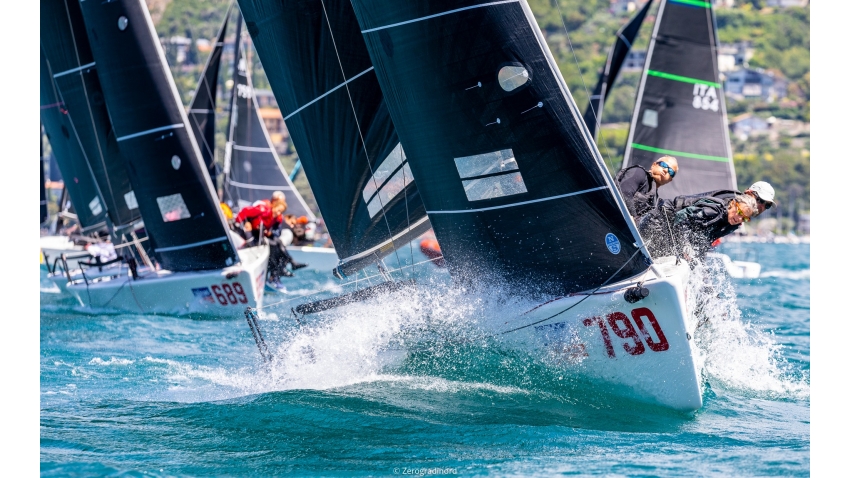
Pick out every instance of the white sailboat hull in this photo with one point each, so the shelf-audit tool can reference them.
(643, 350)
(321, 259)
(54, 246)
(221, 292)
(736, 269)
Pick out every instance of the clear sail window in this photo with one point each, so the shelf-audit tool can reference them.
(491, 175)
(650, 118)
(173, 208)
(130, 199)
(494, 186)
(95, 206)
(389, 179)
(512, 77)
(488, 163)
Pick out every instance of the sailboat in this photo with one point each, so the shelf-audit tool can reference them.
(681, 109)
(339, 123)
(502, 157)
(252, 167)
(197, 269)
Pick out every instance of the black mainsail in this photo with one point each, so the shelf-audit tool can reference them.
(680, 108)
(66, 48)
(252, 168)
(512, 181)
(319, 69)
(70, 157)
(623, 43)
(174, 192)
(202, 108)
(43, 203)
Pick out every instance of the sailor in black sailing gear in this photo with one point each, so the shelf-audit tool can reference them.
(636, 183)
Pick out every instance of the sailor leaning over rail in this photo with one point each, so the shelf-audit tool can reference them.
(636, 183)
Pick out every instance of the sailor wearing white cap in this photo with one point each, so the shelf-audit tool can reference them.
(764, 194)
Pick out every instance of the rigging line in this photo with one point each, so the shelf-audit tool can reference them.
(91, 118)
(359, 131)
(575, 58)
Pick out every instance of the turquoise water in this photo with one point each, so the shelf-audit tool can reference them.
(165, 396)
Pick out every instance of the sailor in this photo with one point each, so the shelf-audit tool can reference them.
(761, 191)
(690, 230)
(636, 183)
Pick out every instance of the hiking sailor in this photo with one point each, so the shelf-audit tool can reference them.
(636, 183)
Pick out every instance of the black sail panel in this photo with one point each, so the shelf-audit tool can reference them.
(680, 109)
(319, 69)
(43, 202)
(78, 178)
(66, 46)
(201, 111)
(174, 192)
(254, 169)
(622, 44)
(509, 174)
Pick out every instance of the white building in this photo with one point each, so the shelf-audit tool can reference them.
(746, 83)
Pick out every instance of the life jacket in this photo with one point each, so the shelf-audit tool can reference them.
(641, 202)
(681, 202)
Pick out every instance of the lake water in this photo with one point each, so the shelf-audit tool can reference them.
(164, 396)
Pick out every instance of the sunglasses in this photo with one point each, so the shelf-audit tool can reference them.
(767, 205)
(741, 213)
(670, 170)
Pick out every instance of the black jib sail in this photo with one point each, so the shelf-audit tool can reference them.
(43, 202)
(319, 69)
(253, 170)
(680, 109)
(174, 192)
(65, 144)
(623, 43)
(202, 108)
(66, 46)
(510, 176)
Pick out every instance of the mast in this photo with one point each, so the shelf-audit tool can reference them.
(66, 48)
(513, 183)
(201, 111)
(680, 108)
(175, 194)
(319, 69)
(619, 50)
(254, 168)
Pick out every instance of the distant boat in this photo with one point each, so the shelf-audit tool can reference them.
(681, 109)
(198, 270)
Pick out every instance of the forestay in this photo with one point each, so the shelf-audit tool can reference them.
(66, 47)
(174, 192)
(680, 108)
(510, 176)
(316, 61)
(253, 168)
(65, 144)
(616, 56)
(201, 111)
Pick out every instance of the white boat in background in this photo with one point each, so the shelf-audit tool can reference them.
(735, 269)
(319, 259)
(54, 246)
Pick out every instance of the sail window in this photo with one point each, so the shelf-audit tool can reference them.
(122, 23)
(173, 208)
(389, 179)
(95, 206)
(650, 118)
(512, 77)
(175, 162)
(500, 175)
(130, 199)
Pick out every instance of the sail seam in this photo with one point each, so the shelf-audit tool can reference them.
(254, 149)
(679, 153)
(384, 244)
(438, 15)
(331, 91)
(259, 186)
(683, 79)
(74, 70)
(521, 203)
(194, 244)
(155, 130)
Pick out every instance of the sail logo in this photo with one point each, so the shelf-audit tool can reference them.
(244, 91)
(612, 243)
(705, 97)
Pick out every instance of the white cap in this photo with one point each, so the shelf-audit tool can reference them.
(764, 191)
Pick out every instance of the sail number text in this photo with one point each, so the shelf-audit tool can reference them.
(623, 328)
(230, 294)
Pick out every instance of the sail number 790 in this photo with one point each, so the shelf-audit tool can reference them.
(633, 338)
